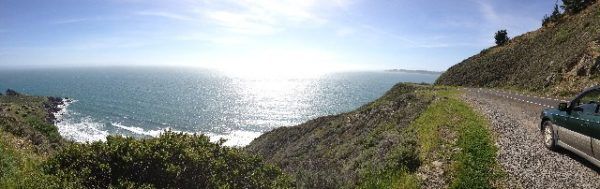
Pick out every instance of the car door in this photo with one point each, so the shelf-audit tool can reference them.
(577, 128)
(595, 135)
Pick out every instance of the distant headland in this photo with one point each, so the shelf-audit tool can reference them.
(415, 71)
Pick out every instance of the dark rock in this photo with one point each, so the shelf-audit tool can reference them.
(10, 92)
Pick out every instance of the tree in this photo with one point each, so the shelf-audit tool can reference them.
(574, 6)
(554, 17)
(501, 37)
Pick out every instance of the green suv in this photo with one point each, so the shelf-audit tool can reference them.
(575, 126)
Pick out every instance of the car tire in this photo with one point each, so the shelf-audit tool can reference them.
(549, 136)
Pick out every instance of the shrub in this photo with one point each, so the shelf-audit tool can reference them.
(574, 6)
(172, 160)
(48, 130)
(501, 37)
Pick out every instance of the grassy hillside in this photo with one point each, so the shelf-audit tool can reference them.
(561, 58)
(343, 150)
(389, 143)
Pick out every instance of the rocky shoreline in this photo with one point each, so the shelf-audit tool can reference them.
(55, 108)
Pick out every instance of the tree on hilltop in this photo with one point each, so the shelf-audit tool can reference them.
(501, 37)
(553, 18)
(574, 6)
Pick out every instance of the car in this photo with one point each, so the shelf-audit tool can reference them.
(575, 126)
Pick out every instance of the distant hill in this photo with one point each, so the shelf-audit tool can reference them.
(561, 58)
(415, 71)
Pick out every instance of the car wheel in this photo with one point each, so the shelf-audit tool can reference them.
(549, 136)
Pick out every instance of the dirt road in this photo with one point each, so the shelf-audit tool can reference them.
(514, 119)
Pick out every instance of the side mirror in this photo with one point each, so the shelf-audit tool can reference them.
(563, 106)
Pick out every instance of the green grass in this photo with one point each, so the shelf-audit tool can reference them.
(401, 179)
(450, 123)
(21, 167)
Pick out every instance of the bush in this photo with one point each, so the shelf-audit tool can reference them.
(501, 37)
(575, 6)
(172, 160)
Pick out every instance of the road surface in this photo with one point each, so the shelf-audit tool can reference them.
(514, 118)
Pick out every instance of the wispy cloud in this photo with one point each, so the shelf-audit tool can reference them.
(266, 16)
(163, 14)
(107, 43)
(71, 21)
(506, 19)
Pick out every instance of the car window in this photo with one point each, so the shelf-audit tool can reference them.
(589, 102)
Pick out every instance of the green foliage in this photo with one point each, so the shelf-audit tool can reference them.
(21, 167)
(476, 165)
(350, 149)
(172, 160)
(448, 124)
(573, 6)
(553, 18)
(401, 179)
(48, 130)
(501, 37)
(24, 116)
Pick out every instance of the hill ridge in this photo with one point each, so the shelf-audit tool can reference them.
(561, 59)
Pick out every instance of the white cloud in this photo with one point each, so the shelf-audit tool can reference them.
(163, 14)
(71, 20)
(266, 16)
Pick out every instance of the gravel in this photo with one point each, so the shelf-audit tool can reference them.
(526, 161)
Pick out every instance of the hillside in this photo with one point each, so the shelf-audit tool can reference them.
(406, 139)
(561, 59)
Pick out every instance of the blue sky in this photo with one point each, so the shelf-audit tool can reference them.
(258, 34)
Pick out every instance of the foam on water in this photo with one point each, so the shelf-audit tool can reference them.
(234, 138)
(85, 130)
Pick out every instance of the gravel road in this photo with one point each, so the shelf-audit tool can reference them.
(514, 119)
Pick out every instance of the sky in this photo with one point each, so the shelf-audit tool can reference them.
(258, 34)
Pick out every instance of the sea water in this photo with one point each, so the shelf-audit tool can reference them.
(144, 102)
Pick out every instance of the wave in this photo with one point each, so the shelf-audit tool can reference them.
(59, 115)
(87, 130)
(237, 138)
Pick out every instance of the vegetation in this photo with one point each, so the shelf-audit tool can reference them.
(21, 165)
(388, 143)
(553, 18)
(173, 160)
(575, 6)
(24, 116)
(33, 155)
(559, 60)
(501, 37)
(371, 147)
(449, 124)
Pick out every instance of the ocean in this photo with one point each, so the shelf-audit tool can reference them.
(143, 102)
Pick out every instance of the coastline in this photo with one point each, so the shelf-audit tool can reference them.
(56, 108)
